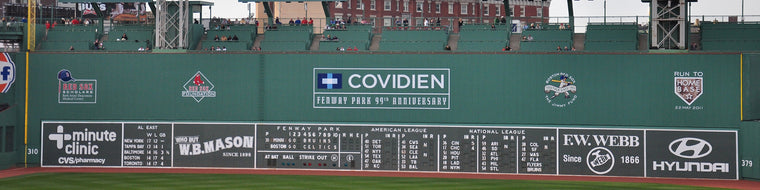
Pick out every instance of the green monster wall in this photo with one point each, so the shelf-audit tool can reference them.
(613, 90)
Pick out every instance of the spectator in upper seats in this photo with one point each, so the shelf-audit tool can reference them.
(96, 44)
(561, 26)
(47, 27)
(503, 20)
(311, 21)
(694, 46)
(406, 22)
(195, 21)
(224, 38)
(234, 37)
(224, 48)
(291, 22)
(212, 48)
(229, 38)
(573, 49)
(124, 37)
(507, 49)
(218, 48)
(461, 22)
(438, 21)
(140, 49)
(447, 47)
(217, 27)
(530, 38)
(493, 26)
(398, 22)
(426, 23)
(87, 21)
(277, 21)
(532, 25)
(216, 38)
(256, 22)
(559, 48)
(71, 48)
(298, 22)
(75, 21)
(567, 49)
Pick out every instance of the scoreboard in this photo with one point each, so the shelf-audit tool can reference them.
(403, 148)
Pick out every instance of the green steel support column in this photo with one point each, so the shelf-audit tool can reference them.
(326, 7)
(152, 6)
(101, 16)
(508, 12)
(570, 14)
(268, 10)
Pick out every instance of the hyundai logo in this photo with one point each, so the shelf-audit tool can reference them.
(690, 147)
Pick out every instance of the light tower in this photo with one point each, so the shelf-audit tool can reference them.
(669, 23)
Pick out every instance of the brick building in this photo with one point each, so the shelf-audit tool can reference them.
(388, 11)
(471, 11)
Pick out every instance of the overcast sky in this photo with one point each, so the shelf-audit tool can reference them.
(558, 8)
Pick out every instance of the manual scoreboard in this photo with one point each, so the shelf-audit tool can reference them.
(403, 148)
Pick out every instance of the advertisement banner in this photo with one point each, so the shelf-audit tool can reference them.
(81, 144)
(382, 88)
(214, 145)
(601, 152)
(692, 154)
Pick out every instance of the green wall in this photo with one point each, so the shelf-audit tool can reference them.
(749, 149)
(751, 75)
(612, 89)
(12, 149)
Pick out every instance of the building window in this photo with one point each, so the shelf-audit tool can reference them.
(486, 9)
(338, 5)
(372, 5)
(359, 5)
(511, 11)
(397, 6)
(522, 11)
(451, 8)
(419, 7)
(387, 5)
(438, 7)
(539, 12)
(498, 10)
(464, 9)
(406, 6)
(349, 5)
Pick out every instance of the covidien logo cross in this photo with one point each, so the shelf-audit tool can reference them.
(329, 81)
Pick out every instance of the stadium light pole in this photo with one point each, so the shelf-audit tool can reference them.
(605, 12)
